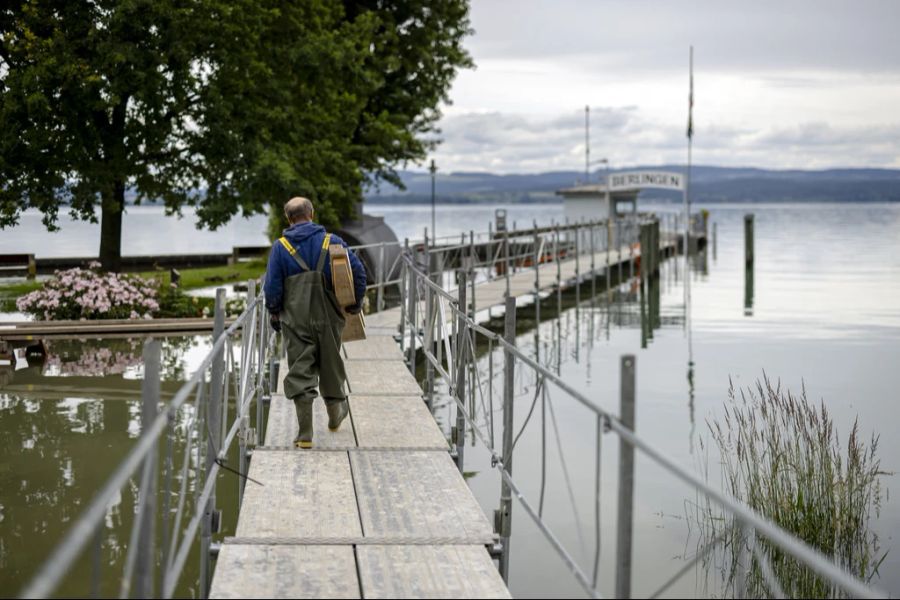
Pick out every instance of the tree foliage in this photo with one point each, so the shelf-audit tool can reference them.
(227, 106)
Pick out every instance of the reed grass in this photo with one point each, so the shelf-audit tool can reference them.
(782, 456)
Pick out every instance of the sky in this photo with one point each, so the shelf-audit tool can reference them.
(799, 84)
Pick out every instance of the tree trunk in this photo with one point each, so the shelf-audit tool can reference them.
(113, 207)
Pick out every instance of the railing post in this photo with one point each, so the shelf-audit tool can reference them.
(403, 288)
(146, 551)
(626, 480)
(262, 342)
(504, 527)
(247, 337)
(462, 334)
(506, 252)
(379, 295)
(429, 345)
(213, 442)
(411, 315)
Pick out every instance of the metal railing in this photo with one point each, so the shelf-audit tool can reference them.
(156, 555)
(440, 327)
(491, 255)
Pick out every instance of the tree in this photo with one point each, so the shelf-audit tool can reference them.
(229, 106)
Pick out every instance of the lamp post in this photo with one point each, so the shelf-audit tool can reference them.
(433, 170)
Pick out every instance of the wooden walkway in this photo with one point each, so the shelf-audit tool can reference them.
(378, 509)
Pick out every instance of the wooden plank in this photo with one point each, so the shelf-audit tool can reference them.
(256, 571)
(428, 572)
(379, 347)
(282, 428)
(304, 494)
(381, 377)
(395, 422)
(415, 495)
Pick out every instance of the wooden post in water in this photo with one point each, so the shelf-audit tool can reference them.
(748, 265)
(504, 525)
(625, 523)
(714, 236)
(748, 240)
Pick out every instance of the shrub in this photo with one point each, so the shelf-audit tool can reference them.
(79, 294)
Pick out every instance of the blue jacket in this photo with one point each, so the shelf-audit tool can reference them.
(306, 238)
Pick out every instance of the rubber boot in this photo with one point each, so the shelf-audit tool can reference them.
(337, 412)
(305, 421)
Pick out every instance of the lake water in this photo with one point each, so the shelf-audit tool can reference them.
(825, 315)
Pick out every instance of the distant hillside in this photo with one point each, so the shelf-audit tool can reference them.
(708, 184)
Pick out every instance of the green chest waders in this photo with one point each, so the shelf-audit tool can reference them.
(312, 325)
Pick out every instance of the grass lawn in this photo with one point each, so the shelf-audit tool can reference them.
(191, 279)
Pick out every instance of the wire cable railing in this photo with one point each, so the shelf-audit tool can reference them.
(441, 326)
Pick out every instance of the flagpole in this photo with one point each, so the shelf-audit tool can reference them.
(687, 263)
(687, 202)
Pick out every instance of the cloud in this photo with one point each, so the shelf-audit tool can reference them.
(624, 36)
(519, 143)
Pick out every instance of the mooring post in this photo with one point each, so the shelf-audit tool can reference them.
(504, 525)
(748, 240)
(146, 550)
(213, 440)
(714, 236)
(462, 335)
(626, 480)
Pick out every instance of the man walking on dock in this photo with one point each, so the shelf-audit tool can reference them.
(302, 304)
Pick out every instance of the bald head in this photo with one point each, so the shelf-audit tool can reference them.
(298, 209)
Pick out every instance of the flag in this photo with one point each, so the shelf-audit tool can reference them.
(690, 127)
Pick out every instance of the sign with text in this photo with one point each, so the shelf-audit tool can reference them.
(646, 179)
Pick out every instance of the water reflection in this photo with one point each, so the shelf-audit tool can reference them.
(66, 421)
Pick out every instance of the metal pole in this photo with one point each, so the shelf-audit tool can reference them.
(626, 480)
(509, 366)
(214, 428)
(146, 551)
(462, 334)
(433, 170)
(473, 257)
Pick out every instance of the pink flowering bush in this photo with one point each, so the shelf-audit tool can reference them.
(88, 294)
